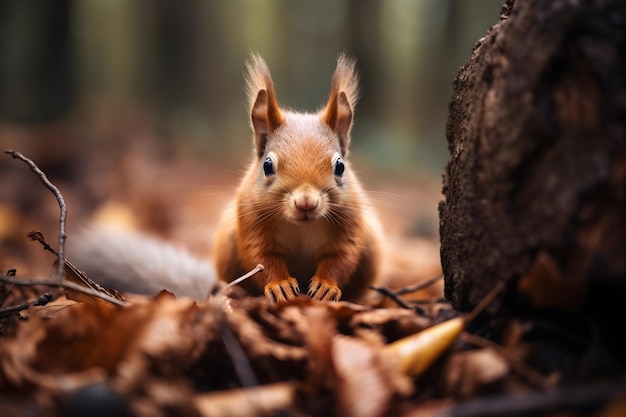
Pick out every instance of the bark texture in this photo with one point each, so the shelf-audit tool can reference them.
(536, 134)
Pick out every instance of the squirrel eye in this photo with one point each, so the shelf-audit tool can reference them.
(268, 167)
(340, 167)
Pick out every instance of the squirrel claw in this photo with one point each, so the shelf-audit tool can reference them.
(324, 290)
(282, 291)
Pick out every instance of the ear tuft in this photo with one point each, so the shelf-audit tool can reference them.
(264, 111)
(344, 91)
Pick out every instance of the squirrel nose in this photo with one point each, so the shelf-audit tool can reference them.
(306, 202)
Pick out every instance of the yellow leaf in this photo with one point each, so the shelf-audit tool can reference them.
(415, 353)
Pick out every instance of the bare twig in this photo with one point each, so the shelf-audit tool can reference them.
(242, 278)
(420, 285)
(63, 217)
(243, 369)
(491, 295)
(41, 301)
(10, 273)
(66, 285)
(80, 275)
(440, 300)
(394, 296)
(58, 280)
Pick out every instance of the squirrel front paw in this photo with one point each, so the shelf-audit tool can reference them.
(282, 290)
(324, 290)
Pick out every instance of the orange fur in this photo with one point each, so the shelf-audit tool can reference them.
(310, 228)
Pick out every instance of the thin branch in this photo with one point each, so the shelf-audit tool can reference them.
(394, 296)
(9, 290)
(66, 285)
(80, 275)
(63, 217)
(482, 305)
(419, 286)
(244, 277)
(41, 301)
(240, 361)
(440, 300)
(243, 369)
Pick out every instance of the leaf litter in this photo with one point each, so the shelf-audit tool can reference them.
(401, 352)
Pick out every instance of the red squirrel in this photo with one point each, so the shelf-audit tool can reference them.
(300, 210)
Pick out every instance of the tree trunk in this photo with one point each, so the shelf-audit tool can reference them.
(536, 183)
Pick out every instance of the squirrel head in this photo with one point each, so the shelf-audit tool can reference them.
(299, 157)
(266, 115)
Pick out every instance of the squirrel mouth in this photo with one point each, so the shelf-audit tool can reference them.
(304, 218)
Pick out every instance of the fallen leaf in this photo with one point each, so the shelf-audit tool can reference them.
(263, 400)
(416, 353)
(468, 373)
(545, 286)
(366, 383)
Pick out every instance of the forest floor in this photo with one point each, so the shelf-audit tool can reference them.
(235, 355)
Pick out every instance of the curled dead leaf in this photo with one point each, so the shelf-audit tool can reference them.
(416, 353)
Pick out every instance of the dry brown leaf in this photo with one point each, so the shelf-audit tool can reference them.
(73, 274)
(20, 352)
(468, 373)
(258, 401)
(366, 382)
(119, 342)
(430, 408)
(545, 286)
(157, 352)
(263, 334)
(513, 334)
(162, 397)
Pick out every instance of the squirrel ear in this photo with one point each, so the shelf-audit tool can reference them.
(265, 113)
(266, 117)
(338, 114)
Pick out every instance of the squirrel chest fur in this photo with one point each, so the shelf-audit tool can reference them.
(300, 210)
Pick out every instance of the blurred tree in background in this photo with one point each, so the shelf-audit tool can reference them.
(110, 71)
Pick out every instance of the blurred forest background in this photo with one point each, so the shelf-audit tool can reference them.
(176, 67)
(86, 80)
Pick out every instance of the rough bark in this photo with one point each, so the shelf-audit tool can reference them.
(536, 134)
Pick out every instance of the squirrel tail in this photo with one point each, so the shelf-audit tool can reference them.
(140, 264)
